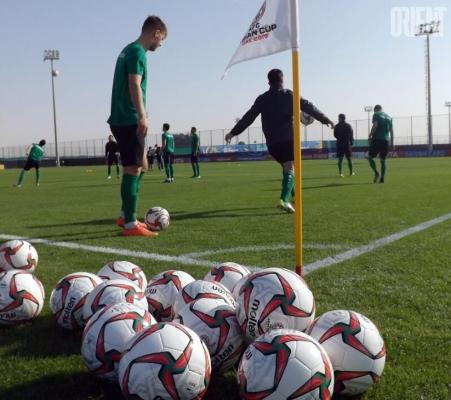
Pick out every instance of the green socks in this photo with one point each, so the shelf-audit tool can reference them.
(196, 171)
(340, 165)
(287, 186)
(166, 170)
(383, 168)
(129, 194)
(109, 170)
(171, 171)
(373, 165)
(117, 171)
(21, 177)
(38, 176)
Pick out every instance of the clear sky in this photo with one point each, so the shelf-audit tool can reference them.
(349, 59)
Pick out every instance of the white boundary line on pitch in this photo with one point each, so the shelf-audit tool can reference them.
(358, 251)
(243, 249)
(112, 250)
(184, 259)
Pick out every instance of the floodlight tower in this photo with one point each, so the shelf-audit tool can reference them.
(427, 30)
(53, 55)
(368, 109)
(448, 104)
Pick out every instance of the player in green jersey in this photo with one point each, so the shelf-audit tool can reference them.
(128, 119)
(381, 137)
(168, 153)
(35, 153)
(195, 149)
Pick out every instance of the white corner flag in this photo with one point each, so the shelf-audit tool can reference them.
(274, 29)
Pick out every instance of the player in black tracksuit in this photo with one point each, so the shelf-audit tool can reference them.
(276, 109)
(111, 150)
(345, 139)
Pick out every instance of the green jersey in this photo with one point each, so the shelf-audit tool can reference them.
(384, 126)
(132, 60)
(194, 142)
(36, 152)
(169, 140)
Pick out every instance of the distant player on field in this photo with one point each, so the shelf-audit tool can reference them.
(128, 119)
(111, 150)
(345, 139)
(276, 109)
(150, 157)
(168, 153)
(158, 156)
(195, 148)
(35, 152)
(381, 136)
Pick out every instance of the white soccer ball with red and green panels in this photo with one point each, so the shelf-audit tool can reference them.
(355, 348)
(285, 364)
(157, 219)
(107, 334)
(112, 292)
(274, 298)
(68, 298)
(215, 322)
(21, 297)
(165, 361)
(18, 255)
(228, 274)
(124, 270)
(202, 290)
(162, 291)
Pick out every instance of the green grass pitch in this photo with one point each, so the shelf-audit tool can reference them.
(403, 287)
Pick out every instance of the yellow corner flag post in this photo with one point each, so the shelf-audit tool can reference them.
(297, 143)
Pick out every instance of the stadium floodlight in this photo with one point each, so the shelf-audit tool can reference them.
(368, 109)
(53, 55)
(448, 104)
(427, 30)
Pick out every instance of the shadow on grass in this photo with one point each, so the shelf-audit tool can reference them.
(99, 222)
(82, 386)
(78, 386)
(229, 213)
(41, 338)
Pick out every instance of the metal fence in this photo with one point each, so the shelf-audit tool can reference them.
(408, 131)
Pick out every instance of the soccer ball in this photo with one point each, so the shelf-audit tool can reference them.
(307, 119)
(238, 286)
(69, 296)
(355, 347)
(202, 290)
(124, 270)
(112, 292)
(106, 336)
(157, 219)
(274, 298)
(215, 323)
(18, 255)
(162, 291)
(285, 364)
(21, 297)
(227, 273)
(165, 361)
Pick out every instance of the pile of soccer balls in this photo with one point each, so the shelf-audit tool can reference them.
(163, 339)
(21, 292)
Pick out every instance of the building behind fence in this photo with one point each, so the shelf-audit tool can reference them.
(408, 131)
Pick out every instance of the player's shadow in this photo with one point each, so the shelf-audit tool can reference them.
(229, 213)
(99, 222)
(70, 386)
(41, 338)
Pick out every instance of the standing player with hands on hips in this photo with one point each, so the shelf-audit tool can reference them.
(128, 120)
(276, 109)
